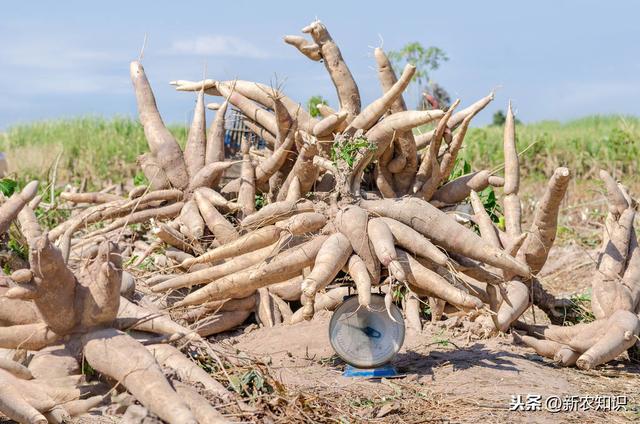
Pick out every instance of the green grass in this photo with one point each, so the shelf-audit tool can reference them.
(91, 148)
(611, 142)
(100, 150)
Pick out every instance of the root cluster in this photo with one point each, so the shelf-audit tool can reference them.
(351, 199)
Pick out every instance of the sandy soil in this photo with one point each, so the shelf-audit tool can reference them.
(449, 374)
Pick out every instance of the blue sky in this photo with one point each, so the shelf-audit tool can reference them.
(554, 59)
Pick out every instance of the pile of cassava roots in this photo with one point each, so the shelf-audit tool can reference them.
(132, 284)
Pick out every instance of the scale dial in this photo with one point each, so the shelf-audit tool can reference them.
(366, 338)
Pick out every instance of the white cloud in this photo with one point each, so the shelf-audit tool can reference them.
(52, 55)
(218, 45)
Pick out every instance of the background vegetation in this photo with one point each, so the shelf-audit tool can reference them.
(99, 150)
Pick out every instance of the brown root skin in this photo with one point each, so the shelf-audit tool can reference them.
(153, 171)
(98, 292)
(323, 301)
(289, 290)
(56, 286)
(208, 175)
(89, 197)
(56, 362)
(457, 190)
(345, 85)
(304, 169)
(412, 312)
(194, 149)
(10, 209)
(249, 242)
(545, 221)
(285, 265)
(28, 336)
(422, 140)
(591, 344)
(238, 263)
(374, 111)
(329, 125)
(271, 165)
(514, 303)
(202, 409)
(215, 138)
(222, 229)
(307, 48)
(161, 142)
(444, 231)
(120, 357)
(332, 256)
(615, 197)
(29, 224)
(17, 311)
(187, 370)
(433, 284)
(247, 191)
(546, 348)
(278, 211)
(361, 279)
(428, 173)
(220, 322)
(132, 316)
(14, 405)
(250, 109)
(352, 221)
(15, 368)
(190, 216)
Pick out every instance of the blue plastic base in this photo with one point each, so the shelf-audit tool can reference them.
(384, 371)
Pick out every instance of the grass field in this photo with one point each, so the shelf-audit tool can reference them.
(100, 150)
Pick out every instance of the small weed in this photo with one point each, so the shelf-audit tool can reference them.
(250, 384)
(8, 186)
(426, 311)
(347, 150)
(363, 403)
(87, 370)
(440, 339)
(18, 248)
(140, 179)
(260, 201)
(580, 308)
(146, 265)
(461, 167)
(399, 293)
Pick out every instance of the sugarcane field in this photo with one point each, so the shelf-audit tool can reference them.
(305, 213)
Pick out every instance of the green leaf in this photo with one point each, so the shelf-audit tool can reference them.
(140, 179)
(8, 186)
(312, 105)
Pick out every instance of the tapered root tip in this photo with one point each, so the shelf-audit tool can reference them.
(585, 363)
(135, 68)
(30, 191)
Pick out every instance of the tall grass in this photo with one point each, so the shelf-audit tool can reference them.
(90, 148)
(584, 145)
(99, 150)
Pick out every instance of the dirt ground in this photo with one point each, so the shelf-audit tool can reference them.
(448, 375)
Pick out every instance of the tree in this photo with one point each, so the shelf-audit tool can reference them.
(499, 119)
(312, 105)
(425, 60)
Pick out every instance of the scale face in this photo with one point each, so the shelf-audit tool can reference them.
(366, 338)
